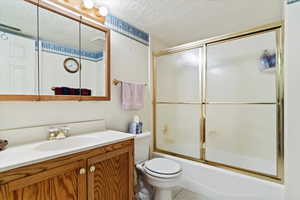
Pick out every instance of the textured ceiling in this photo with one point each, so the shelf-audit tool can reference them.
(180, 21)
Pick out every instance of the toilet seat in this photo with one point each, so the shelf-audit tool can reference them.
(162, 168)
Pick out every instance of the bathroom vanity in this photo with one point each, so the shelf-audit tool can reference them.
(90, 166)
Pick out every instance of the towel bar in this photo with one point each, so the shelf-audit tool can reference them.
(117, 82)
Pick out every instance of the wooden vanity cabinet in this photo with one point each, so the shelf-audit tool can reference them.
(104, 173)
(65, 182)
(109, 176)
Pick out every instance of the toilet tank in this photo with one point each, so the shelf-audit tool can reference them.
(142, 147)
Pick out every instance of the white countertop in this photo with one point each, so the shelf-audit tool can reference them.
(22, 155)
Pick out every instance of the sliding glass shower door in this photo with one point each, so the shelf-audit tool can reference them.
(178, 103)
(220, 102)
(242, 103)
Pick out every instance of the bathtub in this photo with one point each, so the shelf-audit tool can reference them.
(213, 183)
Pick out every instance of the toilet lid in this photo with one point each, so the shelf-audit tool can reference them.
(163, 166)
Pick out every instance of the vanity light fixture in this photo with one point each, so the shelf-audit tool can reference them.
(89, 4)
(103, 11)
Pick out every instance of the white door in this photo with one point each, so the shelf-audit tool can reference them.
(18, 66)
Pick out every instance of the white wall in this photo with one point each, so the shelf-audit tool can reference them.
(129, 61)
(292, 106)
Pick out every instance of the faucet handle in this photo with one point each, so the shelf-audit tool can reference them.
(66, 130)
(52, 133)
(53, 130)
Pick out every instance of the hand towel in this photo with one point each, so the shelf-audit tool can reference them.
(132, 96)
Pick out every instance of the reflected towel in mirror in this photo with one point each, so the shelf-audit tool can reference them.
(72, 91)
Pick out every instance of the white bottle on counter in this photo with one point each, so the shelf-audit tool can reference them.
(135, 127)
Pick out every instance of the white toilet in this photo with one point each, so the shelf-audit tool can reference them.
(161, 173)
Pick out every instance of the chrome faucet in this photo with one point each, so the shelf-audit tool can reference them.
(57, 133)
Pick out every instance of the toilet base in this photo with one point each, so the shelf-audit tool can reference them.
(163, 194)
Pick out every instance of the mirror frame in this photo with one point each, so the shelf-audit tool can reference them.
(81, 18)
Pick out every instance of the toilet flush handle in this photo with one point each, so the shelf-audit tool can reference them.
(140, 166)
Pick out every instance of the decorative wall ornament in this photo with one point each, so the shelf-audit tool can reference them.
(268, 60)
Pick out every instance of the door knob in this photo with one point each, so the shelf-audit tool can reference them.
(82, 171)
(92, 168)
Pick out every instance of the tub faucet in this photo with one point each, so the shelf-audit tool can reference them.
(58, 133)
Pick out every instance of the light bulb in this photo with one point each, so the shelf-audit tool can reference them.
(88, 4)
(3, 36)
(103, 11)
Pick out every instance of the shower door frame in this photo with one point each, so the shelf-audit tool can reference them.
(203, 44)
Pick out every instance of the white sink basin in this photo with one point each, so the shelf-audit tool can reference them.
(22, 155)
(67, 143)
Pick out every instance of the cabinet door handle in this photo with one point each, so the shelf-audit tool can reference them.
(82, 171)
(92, 168)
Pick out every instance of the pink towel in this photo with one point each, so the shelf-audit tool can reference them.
(132, 96)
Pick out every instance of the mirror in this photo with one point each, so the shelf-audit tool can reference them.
(48, 53)
(18, 52)
(92, 61)
(59, 54)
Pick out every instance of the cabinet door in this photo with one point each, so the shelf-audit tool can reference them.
(62, 183)
(110, 175)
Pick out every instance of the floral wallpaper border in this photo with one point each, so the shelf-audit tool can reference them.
(126, 29)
